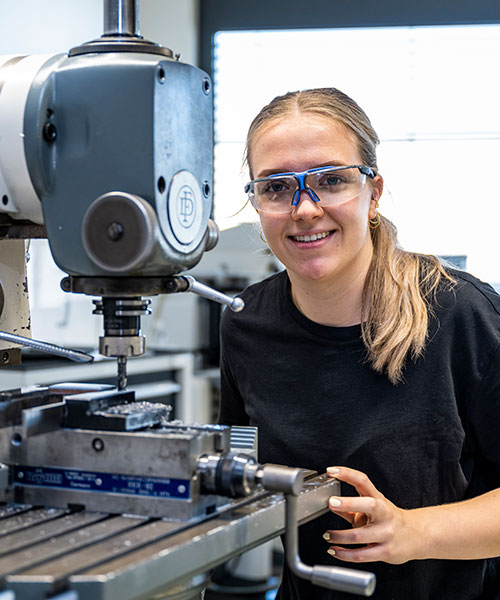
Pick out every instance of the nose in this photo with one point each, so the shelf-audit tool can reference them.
(306, 208)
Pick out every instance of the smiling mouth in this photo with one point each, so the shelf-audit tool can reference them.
(311, 238)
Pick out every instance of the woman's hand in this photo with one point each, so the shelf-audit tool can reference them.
(388, 533)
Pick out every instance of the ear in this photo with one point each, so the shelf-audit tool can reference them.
(377, 189)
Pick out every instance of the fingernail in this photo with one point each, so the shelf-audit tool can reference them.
(326, 536)
(332, 470)
(331, 552)
(334, 502)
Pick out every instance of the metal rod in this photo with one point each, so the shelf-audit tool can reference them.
(235, 304)
(121, 17)
(291, 540)
(76, 355)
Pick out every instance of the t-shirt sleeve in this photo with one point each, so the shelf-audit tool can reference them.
(231, 404)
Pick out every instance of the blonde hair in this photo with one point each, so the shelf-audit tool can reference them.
(400, 286)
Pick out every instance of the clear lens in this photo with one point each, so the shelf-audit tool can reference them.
(336, 185)
(331, 186)
(274, 194)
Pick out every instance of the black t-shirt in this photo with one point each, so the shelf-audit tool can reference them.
(433, 439)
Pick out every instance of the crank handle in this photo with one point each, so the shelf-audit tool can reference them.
(334, 578)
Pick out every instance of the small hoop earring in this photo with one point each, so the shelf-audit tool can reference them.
(374, 223)
(261, 235)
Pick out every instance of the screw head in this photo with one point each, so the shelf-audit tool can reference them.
(97, 444)
(49, 132)
(115, 231)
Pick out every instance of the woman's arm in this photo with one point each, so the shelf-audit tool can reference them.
(463, 530)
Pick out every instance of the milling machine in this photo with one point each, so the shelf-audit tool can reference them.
(107, 151)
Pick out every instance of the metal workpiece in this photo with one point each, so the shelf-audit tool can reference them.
(28, 406)
(113, 411)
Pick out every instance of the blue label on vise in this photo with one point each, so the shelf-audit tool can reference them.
(158, 487)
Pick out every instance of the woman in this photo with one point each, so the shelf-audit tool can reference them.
(360, 355)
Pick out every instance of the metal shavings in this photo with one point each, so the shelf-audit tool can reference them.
(133, 408)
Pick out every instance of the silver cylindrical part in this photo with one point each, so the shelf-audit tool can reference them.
(121, 17)
(232, 475)
(283, 479)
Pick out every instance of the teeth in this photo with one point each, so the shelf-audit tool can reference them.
(311, 238)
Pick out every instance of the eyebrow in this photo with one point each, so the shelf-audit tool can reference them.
(330, 163)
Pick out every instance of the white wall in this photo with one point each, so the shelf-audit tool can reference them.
(172, 23)
(40, 26)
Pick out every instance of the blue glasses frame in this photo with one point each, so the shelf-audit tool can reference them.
(301, 180)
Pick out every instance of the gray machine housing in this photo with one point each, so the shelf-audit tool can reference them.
(132, 131)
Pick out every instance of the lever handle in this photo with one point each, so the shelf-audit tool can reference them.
(235, 304)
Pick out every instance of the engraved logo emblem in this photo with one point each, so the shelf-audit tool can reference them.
(186, 206)
(186, 212)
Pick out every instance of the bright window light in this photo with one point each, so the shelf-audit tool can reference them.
(433, 96)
